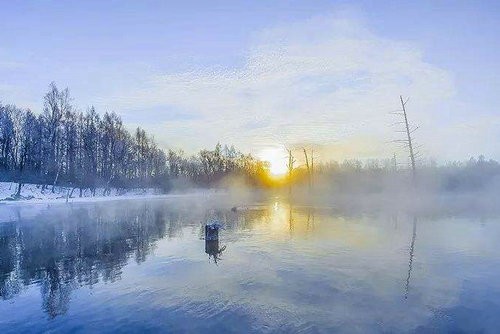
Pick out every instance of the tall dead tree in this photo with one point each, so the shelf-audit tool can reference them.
(289, 165)
(408, 131)
(310, 168)
(408, 134)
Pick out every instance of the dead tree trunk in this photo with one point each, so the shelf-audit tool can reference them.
(408, 142)
(408, 134)
(290, 163)
(308, 170)
(312, 170)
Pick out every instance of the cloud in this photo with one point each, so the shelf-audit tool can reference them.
(323, 80)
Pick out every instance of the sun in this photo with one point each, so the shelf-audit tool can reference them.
(277, 160)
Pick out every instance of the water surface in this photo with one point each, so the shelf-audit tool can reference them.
(144, 266)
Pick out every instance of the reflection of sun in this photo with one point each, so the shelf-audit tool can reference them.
(277, 160)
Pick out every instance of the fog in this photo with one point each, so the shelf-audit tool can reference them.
(471, 187)
(317, 260)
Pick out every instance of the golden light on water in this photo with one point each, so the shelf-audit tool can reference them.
(276, 156)
(278, 219)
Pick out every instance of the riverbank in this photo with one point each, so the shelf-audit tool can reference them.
(36, 193)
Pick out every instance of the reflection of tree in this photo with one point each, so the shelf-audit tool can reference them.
(213, 250)
(55, 290)
(79, 247)
(297, 216)
(9, 284)
(410, 262)
(243, 219)
(310, 219)
(296, 219)
(63, 248)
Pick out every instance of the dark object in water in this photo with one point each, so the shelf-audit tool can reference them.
(212, 241)
(212, 231)
(234, 209)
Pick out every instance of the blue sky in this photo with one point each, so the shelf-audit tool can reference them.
(267, 74)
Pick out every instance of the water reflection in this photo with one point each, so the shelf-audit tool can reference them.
(62, 248)
(213, 250)
(287, 268)
(410, 262)
(310, 219)
(71, 248)
(302, 216)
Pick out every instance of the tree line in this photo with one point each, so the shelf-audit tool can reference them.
(376, 176)
(63, 146)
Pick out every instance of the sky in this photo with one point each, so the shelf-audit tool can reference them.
(265, 75)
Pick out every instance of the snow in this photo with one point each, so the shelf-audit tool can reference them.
(33, 193)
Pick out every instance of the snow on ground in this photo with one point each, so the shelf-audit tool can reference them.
(34, 193)
(34, 201)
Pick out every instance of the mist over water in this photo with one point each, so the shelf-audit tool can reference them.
(278, 266)
(249, 167)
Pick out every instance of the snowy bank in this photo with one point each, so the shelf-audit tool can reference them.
(35, 193)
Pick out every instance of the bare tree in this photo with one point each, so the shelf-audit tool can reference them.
(291, 161)
(408, 130)
(310, 169)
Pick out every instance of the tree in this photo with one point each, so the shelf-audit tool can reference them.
(291, 161)
(310, 169)
(408, 131)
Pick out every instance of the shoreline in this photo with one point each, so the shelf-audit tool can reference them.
(32, 194)
(103, 198)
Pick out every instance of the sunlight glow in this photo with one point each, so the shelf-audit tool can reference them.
(276, 156)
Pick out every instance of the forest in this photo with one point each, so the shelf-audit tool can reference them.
(62, 146)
